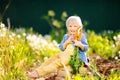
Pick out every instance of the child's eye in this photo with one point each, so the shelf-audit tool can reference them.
(75, 26)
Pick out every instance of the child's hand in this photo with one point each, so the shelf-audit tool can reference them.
(70, 39)
(79, 44)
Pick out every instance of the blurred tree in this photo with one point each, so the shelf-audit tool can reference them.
(56, 25)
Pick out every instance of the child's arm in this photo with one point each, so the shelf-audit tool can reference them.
(65, 42)
(68, 41)
(62, 42)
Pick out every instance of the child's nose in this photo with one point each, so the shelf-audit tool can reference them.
(72, 30)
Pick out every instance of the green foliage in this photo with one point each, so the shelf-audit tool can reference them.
(109, 34)
(42, 46)
(75, 61)
(115, 37)
(13, 54)
(57, 26)
(100, 45)
(17, 54)
(116, 46)
(114, 76)
(86, 77)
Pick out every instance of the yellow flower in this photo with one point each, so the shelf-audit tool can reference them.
(51, 13)
(56, 24)
(64, 15)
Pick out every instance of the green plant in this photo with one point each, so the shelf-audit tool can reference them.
(75, 61)
(13, 55)
(114, 76)
(57, 26)
(100, 45)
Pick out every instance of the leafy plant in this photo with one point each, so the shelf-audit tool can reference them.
(13, 54)
(75, 61)
(100, 45)
(19, 50)
(57, 26)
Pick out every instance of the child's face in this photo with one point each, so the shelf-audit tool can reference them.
(72, 27)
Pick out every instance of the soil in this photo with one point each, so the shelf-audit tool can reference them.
(105, 66)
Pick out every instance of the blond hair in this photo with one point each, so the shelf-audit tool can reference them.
(74, 19)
